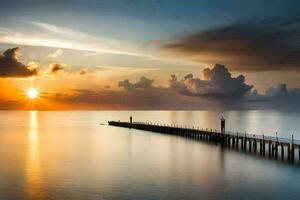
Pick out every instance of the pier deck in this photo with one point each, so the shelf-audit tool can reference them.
(277, 147)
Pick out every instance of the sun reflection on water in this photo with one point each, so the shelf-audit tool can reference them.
(33, 169)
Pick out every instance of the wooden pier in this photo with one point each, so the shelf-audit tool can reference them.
(268, 146)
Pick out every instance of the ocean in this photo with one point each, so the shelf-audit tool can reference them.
(76, 155)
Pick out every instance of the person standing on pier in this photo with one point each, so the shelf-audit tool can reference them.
(222, 124)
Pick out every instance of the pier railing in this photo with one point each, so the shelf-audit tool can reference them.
(265, 137)
(247, 142)
(231, 133)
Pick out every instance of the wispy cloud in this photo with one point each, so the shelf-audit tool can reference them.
(53, 36)
(109, 71)
(48, 35)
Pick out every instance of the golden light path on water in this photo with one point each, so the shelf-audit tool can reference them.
(33, 188)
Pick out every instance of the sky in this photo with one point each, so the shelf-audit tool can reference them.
(152, 54)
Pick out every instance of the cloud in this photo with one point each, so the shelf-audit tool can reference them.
(55, 67)
(206, 73)
(217, 82)
(82, 71)
(56, 53)
(278, 97)
(167, 99)
(143, 83)
(180, 94)
(218, 90)
(41, 34)
(281, 92)
(150, 99)
(245, 46)
(11, 67)
(9, 104)
(49, 35)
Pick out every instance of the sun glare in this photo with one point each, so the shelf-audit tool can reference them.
(32, 93)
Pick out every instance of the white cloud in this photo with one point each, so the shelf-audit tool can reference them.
(219, 83)
(56, 53)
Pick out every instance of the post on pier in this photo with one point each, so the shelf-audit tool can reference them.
(282, 151)
(276, 146)
(263, 145)
(269, 142)
(222, 124)
(130, 120)
(237, 140)
(292, 149)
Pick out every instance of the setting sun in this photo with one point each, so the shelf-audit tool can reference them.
(32, 93)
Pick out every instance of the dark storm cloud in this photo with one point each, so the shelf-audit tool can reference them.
(218, 83)
(11, 67)
(248, 46)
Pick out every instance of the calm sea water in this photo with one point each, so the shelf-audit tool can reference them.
(68, 155)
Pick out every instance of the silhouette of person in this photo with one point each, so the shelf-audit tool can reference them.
(222, 124)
